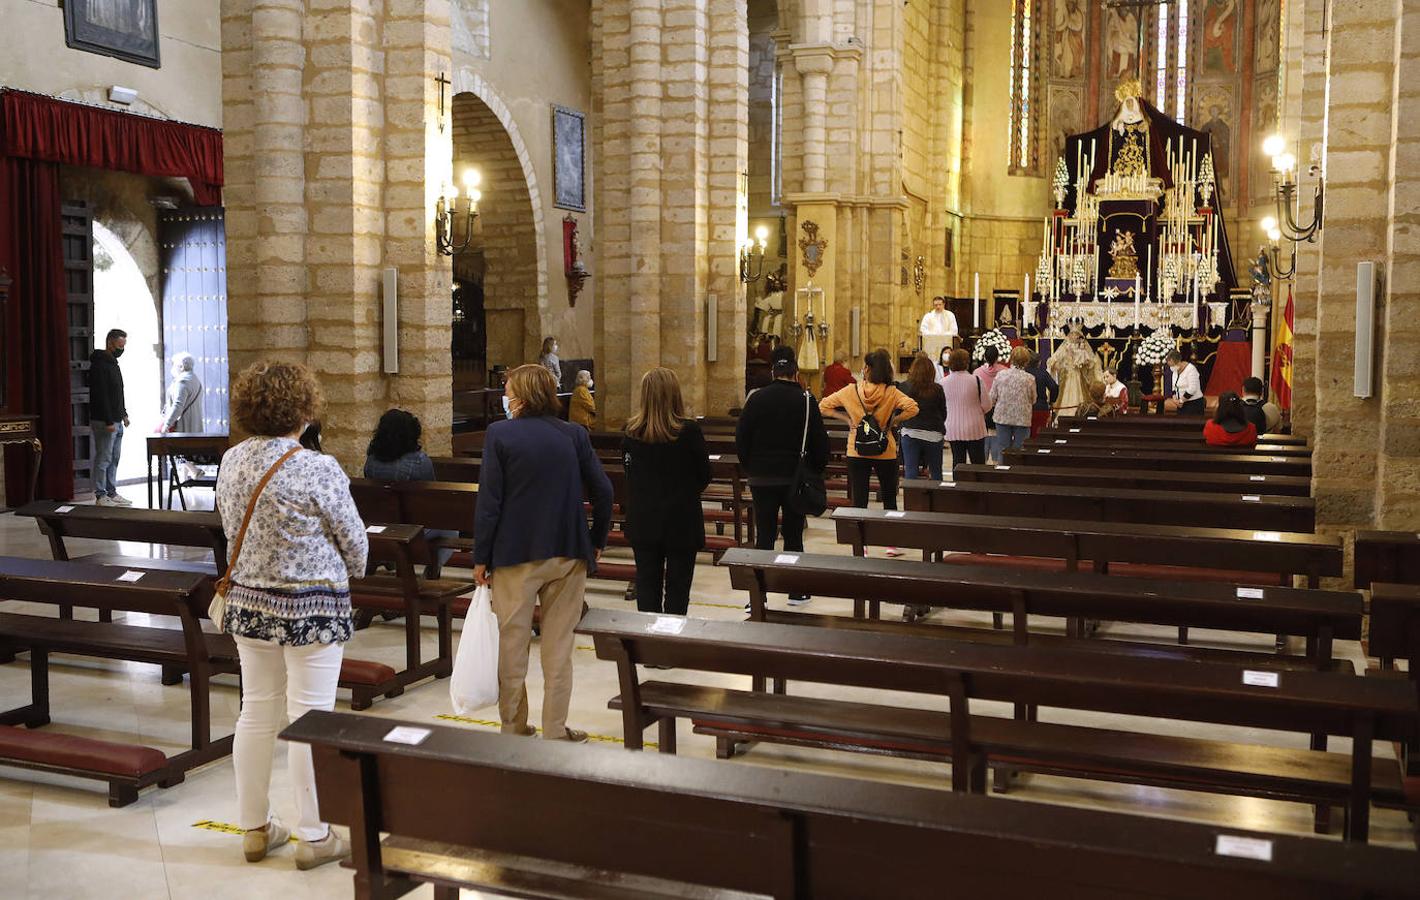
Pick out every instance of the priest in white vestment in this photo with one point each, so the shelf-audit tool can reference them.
(938, 330)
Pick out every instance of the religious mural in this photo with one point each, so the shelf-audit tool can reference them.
(1269, 25)
(1213, 114)
(1068, 53)
(1219, 44)
(1121, 44)
(1067, 108)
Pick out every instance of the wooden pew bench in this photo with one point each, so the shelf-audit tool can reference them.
(1064, 545)
(1363, 709)
(1135, 479)
(1106, 429)
(1109, 442)
(1317, 617)
(1160, 460)
(183, 596)
(575, 822)
(1264, 512)
(406, 594)
(1391, 556)
(202, 530)
(1395, 637)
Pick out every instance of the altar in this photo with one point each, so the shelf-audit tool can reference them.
(1134, 243)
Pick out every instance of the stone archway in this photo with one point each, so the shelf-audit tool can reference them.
(510, 248)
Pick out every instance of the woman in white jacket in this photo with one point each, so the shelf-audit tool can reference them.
(183, 410)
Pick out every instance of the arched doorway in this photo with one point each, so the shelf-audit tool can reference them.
(498, 280)
(123, 300)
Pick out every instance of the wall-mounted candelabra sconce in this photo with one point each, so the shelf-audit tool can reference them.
(1274, 251)
(752, 256)
(446, 213)
(1284, 176)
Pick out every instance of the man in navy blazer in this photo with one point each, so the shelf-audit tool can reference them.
(531, 543)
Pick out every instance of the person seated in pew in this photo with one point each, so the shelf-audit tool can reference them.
(1116, 392)
(288, 604)
(395, 454)
(1229, 427)
(1187, 396)
(837, 377)
(532, 544)
(1095, 404)
(777, 420)
(1265, 417)
(667, 469)
(583, 409)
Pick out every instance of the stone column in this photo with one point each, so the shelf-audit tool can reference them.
(814, 62)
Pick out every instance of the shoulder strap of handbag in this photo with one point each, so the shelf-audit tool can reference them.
(225, 581)
(804, 441)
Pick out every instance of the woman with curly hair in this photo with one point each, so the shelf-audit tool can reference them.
(288, 603)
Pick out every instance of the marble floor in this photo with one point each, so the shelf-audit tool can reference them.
(60, 839)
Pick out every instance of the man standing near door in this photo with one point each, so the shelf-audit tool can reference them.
(109, 416)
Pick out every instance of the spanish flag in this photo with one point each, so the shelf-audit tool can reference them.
(1281, 380)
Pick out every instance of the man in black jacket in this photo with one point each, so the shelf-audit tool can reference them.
(767, 440)
(109, 416)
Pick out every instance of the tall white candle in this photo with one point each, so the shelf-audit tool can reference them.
(976, 301)
(1149, 271)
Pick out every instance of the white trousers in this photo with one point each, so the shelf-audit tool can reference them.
(305, 678)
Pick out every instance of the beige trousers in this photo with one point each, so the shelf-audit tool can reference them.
(559, 584)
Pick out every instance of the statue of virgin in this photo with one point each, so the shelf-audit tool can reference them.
(1075, 366)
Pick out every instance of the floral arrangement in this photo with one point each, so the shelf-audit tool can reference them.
(1154, 348)
(992, 338)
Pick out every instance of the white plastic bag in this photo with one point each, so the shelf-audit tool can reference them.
(474, 683)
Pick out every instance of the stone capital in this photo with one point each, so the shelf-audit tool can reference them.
(818, 59)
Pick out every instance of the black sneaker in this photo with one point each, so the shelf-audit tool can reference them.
(797, 600)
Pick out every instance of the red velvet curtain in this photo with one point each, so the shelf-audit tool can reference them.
(31, 252)
(37, 127)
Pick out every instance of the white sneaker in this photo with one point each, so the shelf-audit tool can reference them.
(104, 500)
(894, 552)
(260, 841)
(120, 500)
(797, 600)
(310, 854)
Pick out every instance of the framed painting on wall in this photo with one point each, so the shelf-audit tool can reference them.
(125, 29)
(569, 159)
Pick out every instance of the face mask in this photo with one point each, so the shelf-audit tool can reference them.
(117, 352)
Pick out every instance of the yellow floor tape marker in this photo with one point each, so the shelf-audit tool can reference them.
(491, 723)
(226, 828)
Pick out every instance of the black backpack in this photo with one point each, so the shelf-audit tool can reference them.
(869, 438)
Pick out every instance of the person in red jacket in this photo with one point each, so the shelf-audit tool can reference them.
(1230, 427)
(837, 377)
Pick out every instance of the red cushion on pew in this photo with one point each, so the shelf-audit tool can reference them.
(610, 571)
(1410, 785)
(74, 752)
(462, 559)
(364, 671)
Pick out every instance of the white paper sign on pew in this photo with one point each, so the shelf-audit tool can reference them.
(667, 625)
(1247, 593)
(63, 509)
(405, 734)
(785, 559)
(130, 575)
(1244, 847)
(1255, 678)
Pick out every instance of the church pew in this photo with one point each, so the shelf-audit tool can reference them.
(1392, 556)
(1163, 427)
(1394, 636)
(1318, 617)
(1364, 709)
(1104, 429)
(1136, 479)
(202, 530)
(1057, 440)
(576, 822)
(180, 595)
(1228, 554)
(1053, 501)
(1157, 460)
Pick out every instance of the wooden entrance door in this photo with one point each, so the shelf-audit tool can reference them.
(77, 222)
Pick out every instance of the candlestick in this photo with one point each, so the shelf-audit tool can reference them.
(976, 301)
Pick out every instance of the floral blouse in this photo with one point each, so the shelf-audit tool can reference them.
(291, 582)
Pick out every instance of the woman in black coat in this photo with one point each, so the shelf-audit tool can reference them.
(667, 469)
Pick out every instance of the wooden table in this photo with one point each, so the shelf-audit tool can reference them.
(21, 429)
(167, 447)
